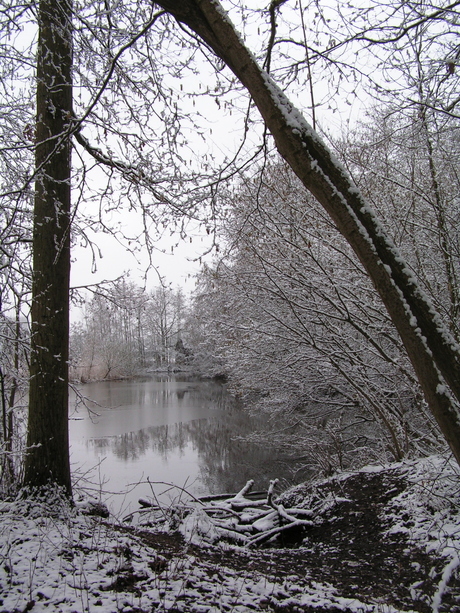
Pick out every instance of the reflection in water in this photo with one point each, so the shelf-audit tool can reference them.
(174, 430)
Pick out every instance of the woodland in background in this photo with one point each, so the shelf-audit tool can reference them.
(126, 331)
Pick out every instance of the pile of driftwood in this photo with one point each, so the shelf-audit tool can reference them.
(254, 519)
(247, 518)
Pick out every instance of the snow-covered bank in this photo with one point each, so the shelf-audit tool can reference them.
(388, 540)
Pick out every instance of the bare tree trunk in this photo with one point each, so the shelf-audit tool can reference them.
(431, 348)
(48, 440)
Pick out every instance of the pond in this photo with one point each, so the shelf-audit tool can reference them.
(165, 429)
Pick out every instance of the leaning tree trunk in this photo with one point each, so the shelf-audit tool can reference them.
(47, 457)
(432, 350)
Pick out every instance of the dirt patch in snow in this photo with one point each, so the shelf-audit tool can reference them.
(352, 549)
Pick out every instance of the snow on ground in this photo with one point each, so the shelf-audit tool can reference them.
(56, 559)
(80, 564)
(428, 513)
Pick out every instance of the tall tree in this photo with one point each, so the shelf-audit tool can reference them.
(48, 440)
(431, 348)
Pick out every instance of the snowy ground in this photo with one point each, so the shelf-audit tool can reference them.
(386, 539)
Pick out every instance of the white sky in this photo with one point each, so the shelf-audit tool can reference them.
(177, 266)
(180, 265)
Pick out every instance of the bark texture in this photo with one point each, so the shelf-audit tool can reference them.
(47, 458)
(432, 350)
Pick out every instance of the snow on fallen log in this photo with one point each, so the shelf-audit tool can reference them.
(245, 518)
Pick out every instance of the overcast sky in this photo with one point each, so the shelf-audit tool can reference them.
(225, 133)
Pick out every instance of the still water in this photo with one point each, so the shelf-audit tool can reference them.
(164, 429)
